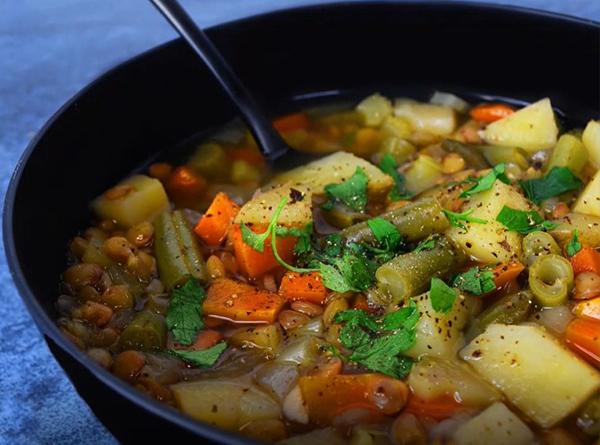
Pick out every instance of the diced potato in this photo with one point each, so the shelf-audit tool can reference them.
(423, 174)
(333, 169)
(433, 377)
(437, 120)
(531, 128)
(440, 334)
(591, 141)
(263, 337)
(374, 109)
(536, 373)
(587, 226)
(259, 210)
(490, 243)
(225, 403)
(588, 201)
(325, 436)
(497, 425)
(136, 199)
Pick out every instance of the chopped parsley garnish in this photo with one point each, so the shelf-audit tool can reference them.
(441, 296)
(427, 244)
(202, 358)
(475, 280)
(184, 315)
(523, 222)
(557, 181)
(487, 182)
(389, 166)
(352, 192)
(455, 218)
(377, 343)
(351, 272)
(303, 234)
(574, 246)
(386, 233)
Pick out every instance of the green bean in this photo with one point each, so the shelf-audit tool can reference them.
(210, 161)
(423, 173)
(551, 279)
(588, 419)
(177, 253)
(587, 226)
(568, 152)
(495, 155)
(415, 221)
(469, 153)
(410, 274)
(537, 244)
(147, 331)
(510, 309)
(342, 216)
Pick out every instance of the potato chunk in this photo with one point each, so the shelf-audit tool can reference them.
(333, 169)
(490, 243)
(589, 200)
(225, 403)
(535, 372)
(591, 141)
(497, 425)
(136, 199)
(531, 128)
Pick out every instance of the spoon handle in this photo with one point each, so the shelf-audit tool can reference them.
(270, 143)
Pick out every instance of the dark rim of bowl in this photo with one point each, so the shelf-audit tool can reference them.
(49, 328)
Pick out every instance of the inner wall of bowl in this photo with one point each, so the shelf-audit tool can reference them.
(166, 96)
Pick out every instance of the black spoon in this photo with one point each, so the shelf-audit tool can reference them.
(270, 143)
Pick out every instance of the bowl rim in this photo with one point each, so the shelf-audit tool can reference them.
(49, 328)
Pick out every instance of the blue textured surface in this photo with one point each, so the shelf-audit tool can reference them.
(50, 49)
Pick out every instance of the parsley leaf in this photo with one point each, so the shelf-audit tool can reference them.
(386, 234)
(184, 315)
(257, 240)
(557, 181)
(455, 218)
(441, 296)
(303, 234)
(475, 280)
(487, 182)
(389, 166)
(522, 221)
(574, 246)
(424, 245)
(352, 192)
(202, 358)
(405, 317)
(382, 354)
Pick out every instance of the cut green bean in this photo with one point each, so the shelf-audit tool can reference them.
(410, 274)
(415, 221)
(569, 152)
(342, 216)
(177, 254)
(469, 153)
(537, 244)
(510, 309)
(495, 155)
(147, 331)
(551, 279)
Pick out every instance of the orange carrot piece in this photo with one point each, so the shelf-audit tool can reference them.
(212, 322)
(291, 122)
(303, 286)
(327, 397)
(361, 302)
(213, 226)
(491, 112)
(589, 309)
(253, 263)
(586, 260)
(241, 302)
(583, 336)
(160, 171)
(439, 408)
(186, 187)
(505, 273)
(249, 154)
(206, 339)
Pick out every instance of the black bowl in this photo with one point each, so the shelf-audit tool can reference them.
(288, 58)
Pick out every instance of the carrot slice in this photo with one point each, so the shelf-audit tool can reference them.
(242, 302)
(213, 226)
(439, 408)
(249, 154)
(291, 122)
(361, 302)
(505, 273)
(206, 339)
(303, 286)
(491, 112)
(583, 336)
(589, 309)
(253, 263)
(586, 260)
(186, 187)
(328, 396)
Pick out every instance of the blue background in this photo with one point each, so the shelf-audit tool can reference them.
(49, 49)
